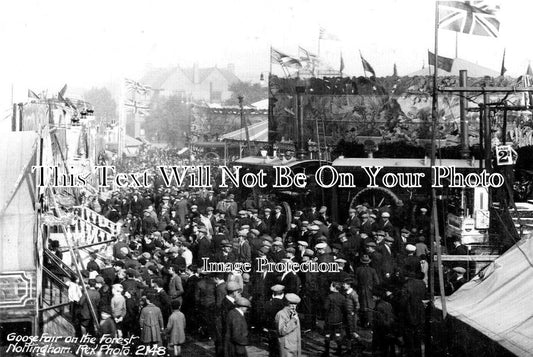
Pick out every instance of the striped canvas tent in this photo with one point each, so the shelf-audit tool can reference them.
(257, 132)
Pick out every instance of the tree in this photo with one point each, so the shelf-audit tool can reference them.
(105, 107)
(251, 92)
(168, 121)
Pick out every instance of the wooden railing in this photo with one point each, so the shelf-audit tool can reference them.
(88, 215)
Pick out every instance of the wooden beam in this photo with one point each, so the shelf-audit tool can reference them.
(485, 89)
(469, 258)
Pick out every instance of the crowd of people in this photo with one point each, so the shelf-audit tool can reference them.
(153, 282)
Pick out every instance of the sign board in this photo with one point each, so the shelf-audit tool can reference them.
(505, 155)
(17, 289)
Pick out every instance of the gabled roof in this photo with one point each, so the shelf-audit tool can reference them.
(157, 77)
(205, 72)
(474, 70)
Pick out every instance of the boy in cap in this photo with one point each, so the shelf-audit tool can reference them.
(175, 330)
(107, 324)
(352, 311)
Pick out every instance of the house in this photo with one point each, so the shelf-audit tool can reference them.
(193, 84)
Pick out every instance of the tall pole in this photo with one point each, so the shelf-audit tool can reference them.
(300, 149)
(14, 118)
(435, 242)
(487, 134)
(465, 151)
(318, 53)
(244, 125)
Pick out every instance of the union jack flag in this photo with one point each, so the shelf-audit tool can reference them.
(470, 17)
(323, 34)
(137, 107)
(136, 87)
(308, 60)
(284, 60)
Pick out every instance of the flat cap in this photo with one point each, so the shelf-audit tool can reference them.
(292, 298)
(459, 270)
(277, 288)
(243, 302)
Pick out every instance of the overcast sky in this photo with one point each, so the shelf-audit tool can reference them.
(46, 43)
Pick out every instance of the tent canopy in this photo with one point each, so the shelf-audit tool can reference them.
(499, 304)
(17, 214)
(257, 132)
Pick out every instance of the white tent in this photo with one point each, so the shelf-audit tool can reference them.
(499, 303)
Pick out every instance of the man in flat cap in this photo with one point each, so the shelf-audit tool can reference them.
(204, 245)
(272, 307)
(353, 223)
(366, 278)
(279, 222)
(236, 338)
(385, 223)
(459, 279)
(288, 328)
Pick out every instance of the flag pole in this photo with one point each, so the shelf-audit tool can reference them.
(435, 242)
(318, 56)
(456, 44)
(270, 71)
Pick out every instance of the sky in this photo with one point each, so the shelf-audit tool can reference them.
(47, 43)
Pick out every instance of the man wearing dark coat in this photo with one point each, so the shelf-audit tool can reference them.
(366, 279)
(412, 294)
(290, 281)
(204, 245)
(161, 299)
(272, 307)
(236, 338)
(334, 313)
(279, 223)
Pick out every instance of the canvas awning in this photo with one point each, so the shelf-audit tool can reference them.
(499, 304)
(17, 212)
(257, 132)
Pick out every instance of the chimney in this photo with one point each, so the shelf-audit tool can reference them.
(231, 67)
(195, 73)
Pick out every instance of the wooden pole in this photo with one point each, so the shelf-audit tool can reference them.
(14, 118)
(245, 125)
(435, 242)
(487, 134)
(465, 150)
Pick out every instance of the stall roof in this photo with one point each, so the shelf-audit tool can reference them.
(261, 161)
(499, 304)
(401, 162)
(257, 132)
